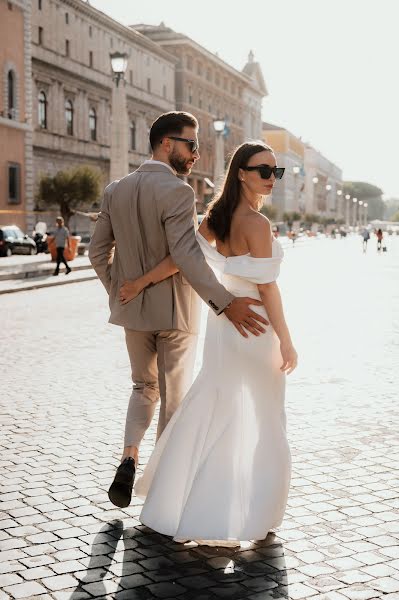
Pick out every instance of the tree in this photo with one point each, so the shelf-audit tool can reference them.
(395, 217)
(69, 189)
(391, 208)
(269, 211)
(290, 217)
(310, 218)
(368, 193)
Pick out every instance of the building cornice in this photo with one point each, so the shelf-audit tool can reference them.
(14, 124)
(130, 35)
(172, 38)
(101, 81)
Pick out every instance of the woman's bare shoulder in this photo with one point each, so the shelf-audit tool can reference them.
(256, 224)
(258, 234)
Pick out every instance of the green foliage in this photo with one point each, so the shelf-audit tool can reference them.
(328, 221)
(269, 211)
(395, 217)
(361, 189)
(69, 190)
(311, 218)
(391, 208)
(368, 193)
(290, 217)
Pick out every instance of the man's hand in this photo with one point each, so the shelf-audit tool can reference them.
(244, 317)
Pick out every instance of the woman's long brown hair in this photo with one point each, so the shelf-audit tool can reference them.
(221, 209)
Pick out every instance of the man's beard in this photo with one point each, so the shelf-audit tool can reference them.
(179, 163)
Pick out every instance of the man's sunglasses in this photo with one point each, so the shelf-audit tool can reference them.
(265, 171)
(192, 144)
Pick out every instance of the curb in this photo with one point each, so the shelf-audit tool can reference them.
(40, 272)
(38, 285)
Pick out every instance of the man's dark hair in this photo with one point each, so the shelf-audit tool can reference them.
(170, 123)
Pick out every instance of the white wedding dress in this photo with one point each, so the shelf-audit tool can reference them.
(221, 468)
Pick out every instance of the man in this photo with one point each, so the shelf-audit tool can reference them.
(61, 236)
(144, 217)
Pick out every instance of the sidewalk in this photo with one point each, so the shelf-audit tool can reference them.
(20, 273)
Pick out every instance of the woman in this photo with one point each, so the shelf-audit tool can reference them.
(220, 472)
(380, 237)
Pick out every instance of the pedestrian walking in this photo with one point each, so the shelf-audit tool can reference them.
(380, 237)
(61, 237)
(366, 236)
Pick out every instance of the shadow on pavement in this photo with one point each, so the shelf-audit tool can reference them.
(153, 566)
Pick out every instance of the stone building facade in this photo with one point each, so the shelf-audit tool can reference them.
(72, 86)
(59, 54)
(210, 88)
(16, 185)
(323, 181)
(311, 183)
(289, 193)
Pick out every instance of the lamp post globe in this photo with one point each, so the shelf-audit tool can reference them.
(219, 125)
(118, 65)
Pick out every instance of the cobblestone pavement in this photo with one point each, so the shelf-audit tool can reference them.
(64, 390)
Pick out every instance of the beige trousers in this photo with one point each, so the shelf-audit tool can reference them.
(162, 365)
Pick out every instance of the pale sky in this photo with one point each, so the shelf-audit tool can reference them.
(331, 68)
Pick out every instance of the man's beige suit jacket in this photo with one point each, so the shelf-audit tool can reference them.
(145, 216)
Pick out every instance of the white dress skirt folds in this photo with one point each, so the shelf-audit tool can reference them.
(221, 469)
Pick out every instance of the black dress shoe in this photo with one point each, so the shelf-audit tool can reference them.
(120, 492)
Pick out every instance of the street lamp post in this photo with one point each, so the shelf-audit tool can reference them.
(347, 216)
(219, 127)
(339, 210)
(315, 181)
(365, 213)
(354, 200)
(328, 190)
(296, 171)
(359, 214)
(119, 153)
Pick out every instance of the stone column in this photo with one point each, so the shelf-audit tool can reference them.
(119, 152)
(219, 160)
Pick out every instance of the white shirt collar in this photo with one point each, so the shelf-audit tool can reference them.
(151, 161)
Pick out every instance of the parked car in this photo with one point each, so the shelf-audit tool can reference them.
(14, 241)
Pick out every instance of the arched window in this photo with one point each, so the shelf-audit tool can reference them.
(132, 135)
(93, 124)
(42, 110)
(189, 94)
(69, 117)
(11, 112)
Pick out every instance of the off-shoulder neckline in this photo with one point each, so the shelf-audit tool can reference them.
(248, 255)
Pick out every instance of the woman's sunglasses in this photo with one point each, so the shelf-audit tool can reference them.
(192, 144)
(265, 171)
